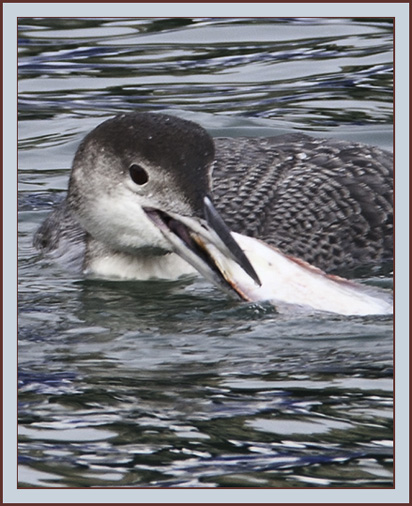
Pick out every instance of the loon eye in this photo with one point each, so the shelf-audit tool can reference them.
(138, 174)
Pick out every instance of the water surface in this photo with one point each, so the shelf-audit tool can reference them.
(153, 384)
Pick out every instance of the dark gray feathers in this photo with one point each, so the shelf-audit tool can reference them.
(60, 236)
(327, 202)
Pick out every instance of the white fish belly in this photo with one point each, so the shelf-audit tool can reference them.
(291, 281)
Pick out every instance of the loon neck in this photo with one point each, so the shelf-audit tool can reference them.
(102, 261)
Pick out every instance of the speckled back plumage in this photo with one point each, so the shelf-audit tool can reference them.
(328, 202)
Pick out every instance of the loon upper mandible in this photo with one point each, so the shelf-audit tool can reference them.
(148, 191)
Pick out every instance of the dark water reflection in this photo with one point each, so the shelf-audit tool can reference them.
(172, 384)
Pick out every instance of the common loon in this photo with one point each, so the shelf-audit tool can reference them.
(145, 186)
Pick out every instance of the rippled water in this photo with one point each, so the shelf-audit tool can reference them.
(171, 384)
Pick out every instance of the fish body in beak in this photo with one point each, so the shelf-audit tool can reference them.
(292, 282)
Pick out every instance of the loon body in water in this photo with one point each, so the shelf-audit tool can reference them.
(151, 195)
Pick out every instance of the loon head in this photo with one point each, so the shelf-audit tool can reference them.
(140, 184)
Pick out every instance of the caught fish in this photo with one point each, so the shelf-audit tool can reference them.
(288, 280)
